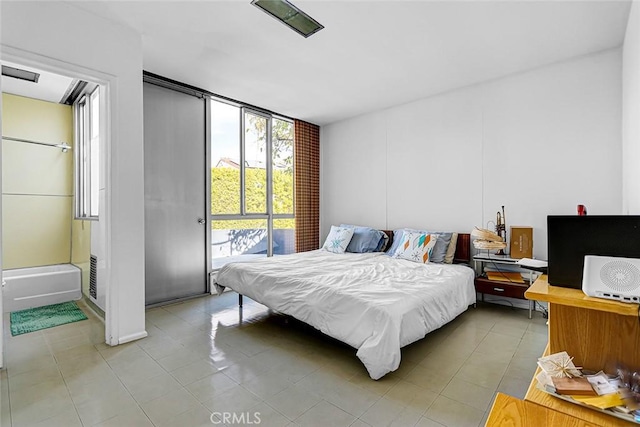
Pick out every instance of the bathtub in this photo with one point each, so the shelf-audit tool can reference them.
(38, 286)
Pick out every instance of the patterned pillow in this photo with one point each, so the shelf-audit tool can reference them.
(338, 239)
(416, 247)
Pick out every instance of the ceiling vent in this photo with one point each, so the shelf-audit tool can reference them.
(289, 15)
(17, 73)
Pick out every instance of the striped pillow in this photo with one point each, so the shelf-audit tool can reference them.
(416, 247)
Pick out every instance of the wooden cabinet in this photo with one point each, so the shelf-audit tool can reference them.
(596, 332)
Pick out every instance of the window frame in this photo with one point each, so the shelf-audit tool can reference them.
(84, 197)
(269, 216)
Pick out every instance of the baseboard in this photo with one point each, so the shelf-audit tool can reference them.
(132, 337)
(93, 307)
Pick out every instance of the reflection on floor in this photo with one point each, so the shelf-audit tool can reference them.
(201, 367)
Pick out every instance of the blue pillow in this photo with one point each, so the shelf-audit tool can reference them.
(439, 250)
(365, 239)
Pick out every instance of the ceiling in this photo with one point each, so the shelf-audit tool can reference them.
(370, 55)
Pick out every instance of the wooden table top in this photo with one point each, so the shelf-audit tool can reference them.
(541, 290)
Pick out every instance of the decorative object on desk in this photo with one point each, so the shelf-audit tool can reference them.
(599, 392)
(610, 404)
(521, 242)
(582, 210)
(501, 229)
(559, 365)
(573, 386)
(487, 239)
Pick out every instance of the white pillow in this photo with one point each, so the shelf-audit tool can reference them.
(416, 247)
(338, 239)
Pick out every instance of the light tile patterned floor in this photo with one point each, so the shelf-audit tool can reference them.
(199, 360)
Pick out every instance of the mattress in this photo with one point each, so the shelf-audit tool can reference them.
(374, 303)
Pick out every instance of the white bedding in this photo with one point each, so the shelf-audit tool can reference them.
(371, 301)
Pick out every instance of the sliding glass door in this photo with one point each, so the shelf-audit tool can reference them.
(251, 184)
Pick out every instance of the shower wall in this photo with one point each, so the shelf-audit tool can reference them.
(37, 188)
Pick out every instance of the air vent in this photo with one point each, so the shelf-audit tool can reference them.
(17, 73)
(289, 15)
(93, 277)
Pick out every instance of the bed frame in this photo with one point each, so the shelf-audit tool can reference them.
(462, 255)
(463, 249)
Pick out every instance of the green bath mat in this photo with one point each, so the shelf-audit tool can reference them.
(34, 319)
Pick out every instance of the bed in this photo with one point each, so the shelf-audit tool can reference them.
(371, 301)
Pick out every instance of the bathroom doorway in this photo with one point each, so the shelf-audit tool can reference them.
(54, 138)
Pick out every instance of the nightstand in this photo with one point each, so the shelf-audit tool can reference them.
(501, 288)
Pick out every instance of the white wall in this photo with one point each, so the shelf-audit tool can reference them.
(539, 143)
(631, 114)
(77, 40)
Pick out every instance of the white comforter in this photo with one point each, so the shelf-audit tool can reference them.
(372, 302)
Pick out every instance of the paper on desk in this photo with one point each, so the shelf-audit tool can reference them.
(536, 263)
(600, 383)
(603, 402)
(544, 380)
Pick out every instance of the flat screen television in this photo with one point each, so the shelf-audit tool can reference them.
(570, 238)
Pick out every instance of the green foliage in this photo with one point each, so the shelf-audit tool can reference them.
(225, 196)
(281, 138)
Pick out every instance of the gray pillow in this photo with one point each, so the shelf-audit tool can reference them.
(442, 244)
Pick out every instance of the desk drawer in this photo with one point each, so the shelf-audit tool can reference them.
(511, 290)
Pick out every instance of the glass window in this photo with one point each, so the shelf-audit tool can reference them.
(94, 154)
(284, 236)
(255, 163)
(282, 157)
(87, 156)
(225, 159)
(252, 198)
(238, 239)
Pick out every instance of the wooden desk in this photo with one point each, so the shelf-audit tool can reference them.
(598, 333)
(512, 412)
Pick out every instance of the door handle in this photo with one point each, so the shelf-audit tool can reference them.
(201, 221)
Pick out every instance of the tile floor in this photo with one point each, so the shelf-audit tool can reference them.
(200, 360)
